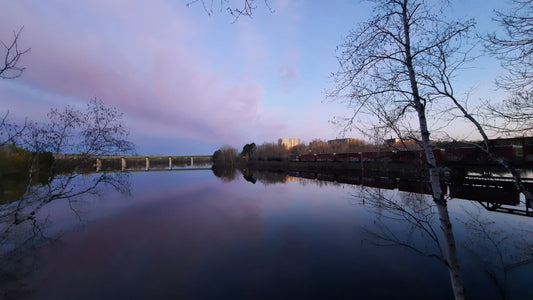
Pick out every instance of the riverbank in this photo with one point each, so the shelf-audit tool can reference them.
(404, 170)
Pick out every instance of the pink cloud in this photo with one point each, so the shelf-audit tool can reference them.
(138, 57)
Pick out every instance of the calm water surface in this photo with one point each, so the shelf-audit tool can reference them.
(191, 235)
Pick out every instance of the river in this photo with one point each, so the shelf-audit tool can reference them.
(192, 235)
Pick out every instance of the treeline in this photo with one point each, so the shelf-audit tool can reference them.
(27, 150)
(230, 156)
(20, 168)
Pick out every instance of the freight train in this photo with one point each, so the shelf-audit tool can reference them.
(451, 155)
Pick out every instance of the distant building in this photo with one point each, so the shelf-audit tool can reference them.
(288, 143)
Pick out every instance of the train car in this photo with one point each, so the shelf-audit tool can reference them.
(477, 155)
(294, 158)
(509, 153)
(325, 157)
(307, 157)
(466, 155)
(408, 156)
(348, 157)
(378, 156)
(440, 155)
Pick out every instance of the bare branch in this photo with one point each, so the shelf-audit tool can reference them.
(9, 69)
(246, 8)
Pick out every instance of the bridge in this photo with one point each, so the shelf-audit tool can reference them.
(152, 162)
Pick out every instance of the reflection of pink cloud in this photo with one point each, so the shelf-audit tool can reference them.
(167, 241)
(136, 58)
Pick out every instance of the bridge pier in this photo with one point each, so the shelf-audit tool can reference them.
(123, 164)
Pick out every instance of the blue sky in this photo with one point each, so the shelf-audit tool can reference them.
(188, 82)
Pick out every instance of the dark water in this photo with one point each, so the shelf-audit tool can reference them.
(191, 235)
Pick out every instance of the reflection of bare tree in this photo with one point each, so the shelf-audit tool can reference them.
(19, 221)
(499, 251)
(272, 177)
(96, 131)
(267, 178)
(412, 210)
(226, 174)
(24, 226)
(419, 214)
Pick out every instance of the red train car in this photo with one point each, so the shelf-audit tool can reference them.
(325, 157)
(348, 157)
(440, 155)
(307, 157)
(466, 154)
(459, 154)
(408, 156)
(378, 156)
(509, 153)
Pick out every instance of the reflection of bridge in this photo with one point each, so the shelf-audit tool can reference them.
(493, 193)
(151, 162)
(159, 170)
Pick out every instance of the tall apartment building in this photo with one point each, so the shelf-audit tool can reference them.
(288, 143)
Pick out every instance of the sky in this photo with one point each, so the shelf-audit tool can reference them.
(189, 82)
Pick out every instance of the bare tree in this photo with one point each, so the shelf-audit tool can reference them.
(98, 130)
(10, 132)
(514, 49)
(513, 116)
(226, 156)
(388, 67)
(245, 8)
(271, 151)
(442, 85)
(319, 146)
(9, 69)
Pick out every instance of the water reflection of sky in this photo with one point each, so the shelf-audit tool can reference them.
(190, 235)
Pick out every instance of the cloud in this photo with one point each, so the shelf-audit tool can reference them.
(288, 72)
(140, 58)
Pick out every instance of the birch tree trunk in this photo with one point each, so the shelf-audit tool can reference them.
(438, 196)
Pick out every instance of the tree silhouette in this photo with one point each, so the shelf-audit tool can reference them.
(514, 49)
(9, 68)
